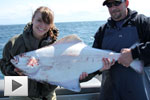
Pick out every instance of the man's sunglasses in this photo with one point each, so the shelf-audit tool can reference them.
(115, 3)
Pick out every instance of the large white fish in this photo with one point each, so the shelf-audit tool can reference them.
(64, 61)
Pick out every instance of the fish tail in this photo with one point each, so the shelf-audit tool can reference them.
(137, 65)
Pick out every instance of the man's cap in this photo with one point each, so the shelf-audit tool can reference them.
(105, 2)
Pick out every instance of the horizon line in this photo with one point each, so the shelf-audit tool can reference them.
(58, 22)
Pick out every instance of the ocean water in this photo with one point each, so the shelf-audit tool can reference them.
(85, 30)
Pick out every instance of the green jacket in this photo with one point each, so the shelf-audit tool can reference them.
(19, 44)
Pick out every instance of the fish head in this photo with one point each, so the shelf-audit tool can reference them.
(27, 64)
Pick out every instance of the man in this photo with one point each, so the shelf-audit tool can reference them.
(123, 29)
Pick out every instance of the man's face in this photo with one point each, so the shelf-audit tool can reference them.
(117, 9)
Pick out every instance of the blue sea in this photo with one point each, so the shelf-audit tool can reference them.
(85, 30)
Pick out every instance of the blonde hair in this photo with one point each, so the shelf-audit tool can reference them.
(48, 18)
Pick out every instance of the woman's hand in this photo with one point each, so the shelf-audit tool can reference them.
(19, 72)
(107, 64)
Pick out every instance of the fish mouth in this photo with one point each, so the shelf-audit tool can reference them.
(15, 60)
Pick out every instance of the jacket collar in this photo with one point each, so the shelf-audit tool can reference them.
(31, 42)
(127, 21)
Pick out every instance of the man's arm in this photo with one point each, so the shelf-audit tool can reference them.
(141, 51)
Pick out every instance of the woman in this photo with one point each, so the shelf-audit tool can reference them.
(39, 32)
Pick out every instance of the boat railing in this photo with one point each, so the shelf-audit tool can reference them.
(89, 91)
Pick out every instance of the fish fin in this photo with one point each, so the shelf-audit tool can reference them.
(72, 85)
(137, 65)
(70, 38)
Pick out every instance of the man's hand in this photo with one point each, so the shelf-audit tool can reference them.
(107, 65)
(126, 57)
(83, 75)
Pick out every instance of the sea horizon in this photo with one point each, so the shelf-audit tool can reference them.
(57, 22)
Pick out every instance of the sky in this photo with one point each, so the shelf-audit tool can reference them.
(20, 11)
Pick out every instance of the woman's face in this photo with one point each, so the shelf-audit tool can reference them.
(39, 27)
